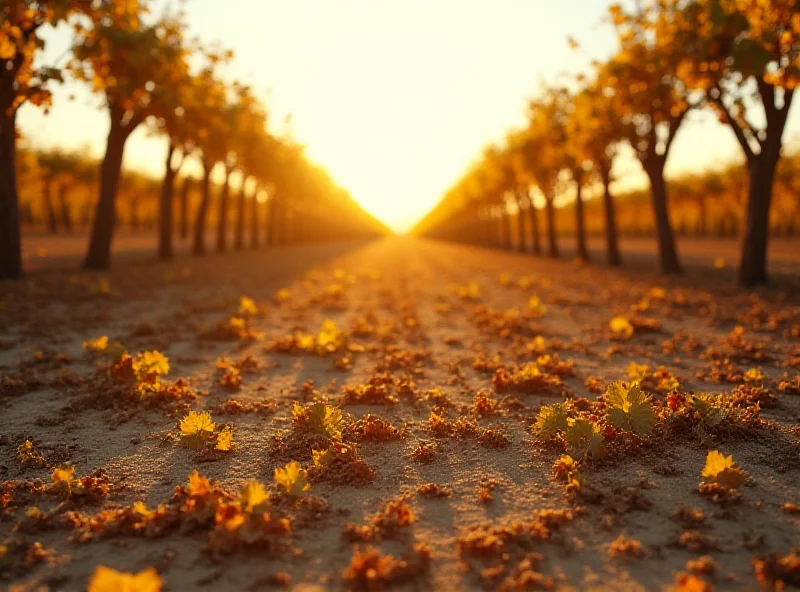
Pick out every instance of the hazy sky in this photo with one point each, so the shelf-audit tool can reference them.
(394, 97)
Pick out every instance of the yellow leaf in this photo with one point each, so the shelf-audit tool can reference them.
(722, 470)
(537, 344)
(638, 371)
(149, 363)
(621, 326)
(321, 457)
(197, 424)
(8, 49)
(225, 440)
(565, 467)
(536, 306)
(306, 342)
(97, 345)
(753, 375)
(199, 485)
(326, 420)
(292, 479)
(66, 474)
(247, 307)
(252, 495)
(106, 579)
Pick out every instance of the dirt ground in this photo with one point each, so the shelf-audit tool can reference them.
(443, 361)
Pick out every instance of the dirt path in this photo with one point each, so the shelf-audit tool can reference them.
(454, 352)
(48, 251)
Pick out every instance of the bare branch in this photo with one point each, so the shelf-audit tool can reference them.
(737, 130)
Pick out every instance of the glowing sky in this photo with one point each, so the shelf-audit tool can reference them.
(394, 97)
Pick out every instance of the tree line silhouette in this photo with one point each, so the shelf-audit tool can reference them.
(739, 58)
(149, 73)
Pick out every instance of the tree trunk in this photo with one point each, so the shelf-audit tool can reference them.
(165, 208)
(134, 213)
(272, 225)
(668, 256)
(63, 203)
(49, 206)
(612, 247)
(533, 222)
(254, 226)
(497, 230)
(238, 243)
(222, 216)
(25, 213)
(184, 208)
(509, 230)
(286, 232)
(199, 247)
(522, 239)
(580, 225)
(702, 216)
(86, 214)
(753, 263)
(10, 236)
(99, 253)
(551, 227)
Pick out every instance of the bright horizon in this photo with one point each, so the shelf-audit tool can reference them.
(395, 98)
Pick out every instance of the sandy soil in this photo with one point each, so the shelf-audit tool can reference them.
(43, 251)
(432, 338)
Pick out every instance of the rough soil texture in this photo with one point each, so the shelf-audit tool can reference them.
(446, 344)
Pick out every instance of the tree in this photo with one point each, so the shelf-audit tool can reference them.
(129, 64)
(209, 102)
(170, 104)
(263, 162)
(578, 165)
(653, 101)
(498, 180)
(251, 147)
(236, 117)
(545, 141)
(21, 82)
(524, 162)
(595, 130)
(745, 57)
(62, 169)
(183, 208)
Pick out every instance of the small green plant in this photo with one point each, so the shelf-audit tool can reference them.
(551, 420)
(584, 439)
(709, 409)
(319, 418)
(629, 409)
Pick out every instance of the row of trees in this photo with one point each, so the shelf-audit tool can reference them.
(740, 58)
(57, 193)
(149, 73)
